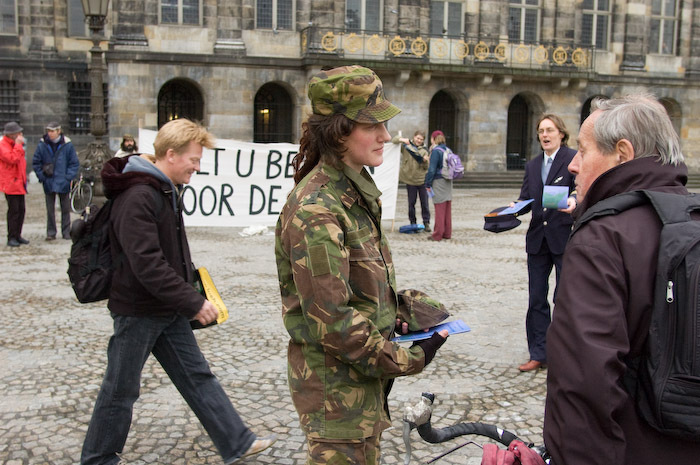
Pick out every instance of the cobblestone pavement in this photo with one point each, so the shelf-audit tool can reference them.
(53, 349)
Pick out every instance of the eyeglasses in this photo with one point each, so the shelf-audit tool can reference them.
(547, 130)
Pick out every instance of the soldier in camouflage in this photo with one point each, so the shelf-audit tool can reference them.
(339, 298)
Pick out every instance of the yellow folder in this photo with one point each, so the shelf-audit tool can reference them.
(205, 286)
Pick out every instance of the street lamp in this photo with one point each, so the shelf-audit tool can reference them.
(97, 151)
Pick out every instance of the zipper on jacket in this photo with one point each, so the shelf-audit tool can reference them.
(693, 324)
(669, 292)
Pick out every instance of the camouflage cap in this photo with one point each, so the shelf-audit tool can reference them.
(419, 310)
(353, 91)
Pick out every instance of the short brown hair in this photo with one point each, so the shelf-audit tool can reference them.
(178, 134)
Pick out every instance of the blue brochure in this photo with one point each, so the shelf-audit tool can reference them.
(516, 208)
(555, 196)
(453, 327)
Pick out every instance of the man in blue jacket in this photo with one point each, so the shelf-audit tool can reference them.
(56, 164)
(548, 232)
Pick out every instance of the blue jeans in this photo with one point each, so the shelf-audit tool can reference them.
(172, 342)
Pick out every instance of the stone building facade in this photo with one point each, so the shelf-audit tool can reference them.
(480, 70)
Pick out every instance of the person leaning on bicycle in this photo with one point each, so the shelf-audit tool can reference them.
(56, 163)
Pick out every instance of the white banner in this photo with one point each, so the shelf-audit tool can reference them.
(246, 184)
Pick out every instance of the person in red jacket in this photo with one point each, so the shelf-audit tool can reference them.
(13, 181)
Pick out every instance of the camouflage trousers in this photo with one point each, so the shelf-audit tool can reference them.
(344, 451)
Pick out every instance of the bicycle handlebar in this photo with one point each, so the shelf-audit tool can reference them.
(418, 417)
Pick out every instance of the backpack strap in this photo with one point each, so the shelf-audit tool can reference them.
(159, 202)
(673, 208)
(611, 206)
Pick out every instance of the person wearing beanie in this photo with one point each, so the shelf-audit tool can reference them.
(13, 181)
(56, 164)
(336, 274)
(439, 188)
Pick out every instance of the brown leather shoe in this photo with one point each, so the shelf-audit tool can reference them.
(531, 365)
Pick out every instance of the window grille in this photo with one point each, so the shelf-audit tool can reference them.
(524, 21)
(79, 107)
(9, 102)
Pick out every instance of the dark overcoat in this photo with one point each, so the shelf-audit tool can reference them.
(601, 321)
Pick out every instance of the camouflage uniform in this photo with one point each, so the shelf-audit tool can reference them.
(344, 451)
(339, 305)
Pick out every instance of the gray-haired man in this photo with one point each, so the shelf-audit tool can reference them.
(603, 307)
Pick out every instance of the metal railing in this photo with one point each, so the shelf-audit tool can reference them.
(447, 50)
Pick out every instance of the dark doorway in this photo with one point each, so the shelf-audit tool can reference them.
(273, 114)
(443, 116)
(179, 99)
(517, 142)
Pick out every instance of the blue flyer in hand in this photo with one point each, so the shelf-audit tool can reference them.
(453, 327)
(516, 208)
(555, 196)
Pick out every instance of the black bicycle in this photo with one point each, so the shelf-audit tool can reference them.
(81, 191)
(418, 417)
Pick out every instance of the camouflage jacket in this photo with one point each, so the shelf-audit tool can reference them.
(339, 305)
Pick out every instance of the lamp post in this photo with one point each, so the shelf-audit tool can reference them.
(97, 151)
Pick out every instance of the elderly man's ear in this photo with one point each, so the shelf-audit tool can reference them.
(624, 151)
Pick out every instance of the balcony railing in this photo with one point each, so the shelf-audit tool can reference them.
(437, 50)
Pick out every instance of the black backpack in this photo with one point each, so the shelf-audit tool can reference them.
(665, 380)
(90, 265)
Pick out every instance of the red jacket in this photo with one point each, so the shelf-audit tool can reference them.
(601, 320)
(13, 167)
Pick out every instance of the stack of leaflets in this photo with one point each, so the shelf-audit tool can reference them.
(452, 327)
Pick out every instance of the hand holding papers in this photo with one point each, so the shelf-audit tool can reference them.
(452, 327)
(555, 197)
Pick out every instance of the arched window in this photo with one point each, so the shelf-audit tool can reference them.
(518, 142)
(273, 114)
(179, 99)
(442, 115)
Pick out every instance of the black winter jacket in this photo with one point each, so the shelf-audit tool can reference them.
(154, 271)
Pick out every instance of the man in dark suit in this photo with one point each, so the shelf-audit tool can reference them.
(548, 232)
